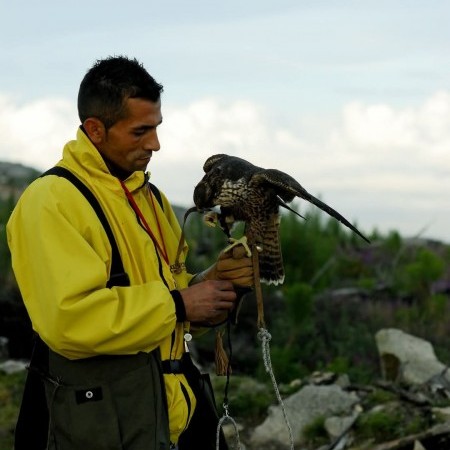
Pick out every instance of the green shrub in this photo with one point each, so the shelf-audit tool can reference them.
(417, 276)
(380, 425)
(378, 397)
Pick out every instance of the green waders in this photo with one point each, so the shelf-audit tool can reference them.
(106, 403)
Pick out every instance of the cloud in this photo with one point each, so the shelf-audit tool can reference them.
(209, 126)
(387, 167)
(382, 166)
(33, 133)
(375, 141)
(387, 132)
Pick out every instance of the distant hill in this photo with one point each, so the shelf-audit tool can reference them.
(13, 173)
(14, 178)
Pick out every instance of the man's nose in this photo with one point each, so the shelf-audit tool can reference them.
(152, 142)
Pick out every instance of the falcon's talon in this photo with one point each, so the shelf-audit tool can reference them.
(210, 218)
(241, 241)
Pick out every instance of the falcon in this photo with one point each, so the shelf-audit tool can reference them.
(240, 191)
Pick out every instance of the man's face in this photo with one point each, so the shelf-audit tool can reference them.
(130, 142)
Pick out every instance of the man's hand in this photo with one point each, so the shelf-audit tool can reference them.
(209, 302)
(233, 265)
(212, 293)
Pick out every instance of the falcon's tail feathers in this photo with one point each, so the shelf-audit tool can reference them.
(271, 270)
(333, 213)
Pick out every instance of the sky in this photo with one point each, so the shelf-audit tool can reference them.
(350, 97)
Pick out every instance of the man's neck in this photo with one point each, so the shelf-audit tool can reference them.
(116, 170)
(113, 168)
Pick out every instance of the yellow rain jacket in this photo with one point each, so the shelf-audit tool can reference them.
(61, 258)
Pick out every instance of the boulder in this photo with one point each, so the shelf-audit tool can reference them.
(13, 366)
(407, 358)
(336, 426)
(302, 408)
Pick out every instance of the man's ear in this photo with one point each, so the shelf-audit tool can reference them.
(95, 130)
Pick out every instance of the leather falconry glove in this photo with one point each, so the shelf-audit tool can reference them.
(233, 265)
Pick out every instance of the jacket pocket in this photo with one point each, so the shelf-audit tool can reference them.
(124, 412)
(142, 412)
(82, 417)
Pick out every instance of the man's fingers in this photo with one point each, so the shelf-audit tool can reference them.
(233, 264)
(223, 286)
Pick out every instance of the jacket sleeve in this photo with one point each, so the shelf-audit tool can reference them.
(61, 262)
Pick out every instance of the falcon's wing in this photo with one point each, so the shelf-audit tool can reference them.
(288, 188)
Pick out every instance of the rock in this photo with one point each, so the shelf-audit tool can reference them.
(13, 366)
(322, 377)
(289, 389)
(406, 358)
(302, 408)
(439, 385)
(442, 413)
(336, 426)
(343, 381)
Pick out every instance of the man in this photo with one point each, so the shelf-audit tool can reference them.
(101, 343)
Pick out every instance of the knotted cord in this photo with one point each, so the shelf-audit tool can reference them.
(265, 337)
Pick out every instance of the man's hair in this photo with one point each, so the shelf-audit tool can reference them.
(109, 83)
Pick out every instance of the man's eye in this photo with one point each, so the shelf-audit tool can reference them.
(138, 133)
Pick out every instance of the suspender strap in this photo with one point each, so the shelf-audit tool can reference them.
(156, 193)
(118, 276)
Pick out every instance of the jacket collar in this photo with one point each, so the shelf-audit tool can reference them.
(83, 157)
